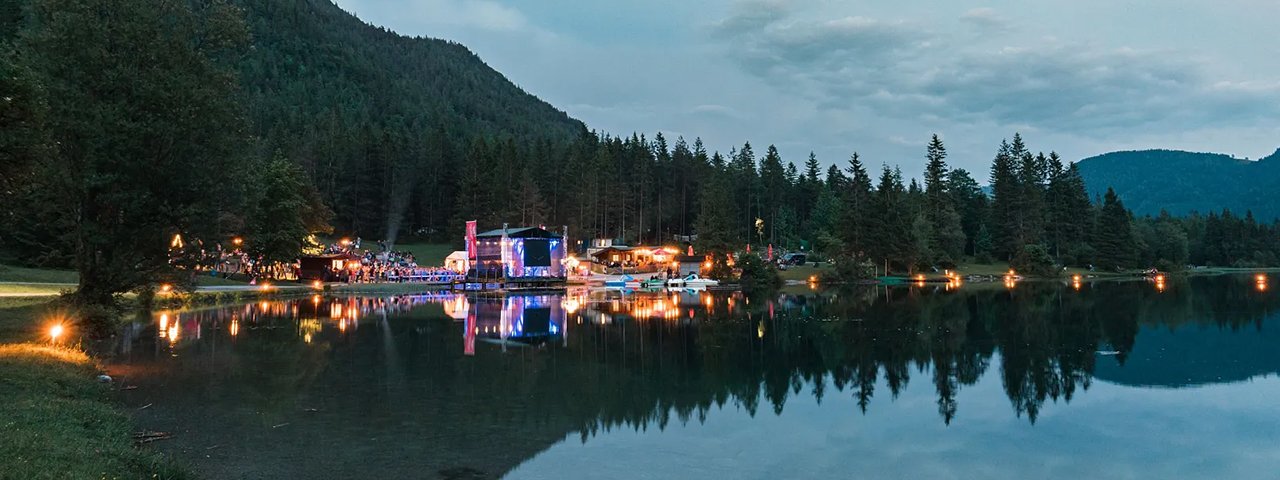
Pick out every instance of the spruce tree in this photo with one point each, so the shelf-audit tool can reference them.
(1005, 199)
(891, 222)
(857, 211)
(946, 236)
(1114, 239)
(715, 226)
(971, 204)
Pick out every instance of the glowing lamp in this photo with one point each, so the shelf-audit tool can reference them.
(317, 285)
(166, 288)
(266, 287)
(1261, 278)
(919, 278)
(813, 279)
(55, 331)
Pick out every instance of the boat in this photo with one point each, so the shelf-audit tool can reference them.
(653, 284)
(691, 281)
(625, 281)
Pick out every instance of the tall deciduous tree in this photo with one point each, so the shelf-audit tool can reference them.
(144, 112)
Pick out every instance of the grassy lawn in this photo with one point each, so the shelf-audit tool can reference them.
(60, 423)
(803, 272)
(32, 289)
(426, 254)
(36, 275)
(57, 420)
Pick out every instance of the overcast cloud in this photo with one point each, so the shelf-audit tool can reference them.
(1082, 77)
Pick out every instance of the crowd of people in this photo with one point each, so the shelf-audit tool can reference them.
(386, 266)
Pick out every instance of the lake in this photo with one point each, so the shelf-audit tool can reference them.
(1033, 380)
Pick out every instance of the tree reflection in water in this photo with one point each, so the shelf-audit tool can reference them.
(538, 367)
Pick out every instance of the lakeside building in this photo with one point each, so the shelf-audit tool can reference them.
(326, 268)
(516, 257)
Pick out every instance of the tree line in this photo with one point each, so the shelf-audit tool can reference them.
(1036, 212)
(274, 121)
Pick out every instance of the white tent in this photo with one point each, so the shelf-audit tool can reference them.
(457, 261)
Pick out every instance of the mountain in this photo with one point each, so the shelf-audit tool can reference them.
(310, 58)
(1182, 182)
(379, 120)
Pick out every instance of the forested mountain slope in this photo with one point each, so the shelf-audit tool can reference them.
(1182, 182)
(377, 118)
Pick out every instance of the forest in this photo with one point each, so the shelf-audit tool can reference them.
(127, 125)
(1038, 213)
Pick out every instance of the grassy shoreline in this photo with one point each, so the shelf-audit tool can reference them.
(58, 420)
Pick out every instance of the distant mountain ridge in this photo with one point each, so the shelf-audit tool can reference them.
(312, 61)
(1182, 182)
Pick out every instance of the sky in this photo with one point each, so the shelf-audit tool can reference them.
(1080, 77)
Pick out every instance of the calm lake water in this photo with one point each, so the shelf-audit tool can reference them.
(1041, 380)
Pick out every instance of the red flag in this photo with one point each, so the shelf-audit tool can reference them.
(471, 240)
(690, 250)
(469, 335)
(770, 252)
(748, 248)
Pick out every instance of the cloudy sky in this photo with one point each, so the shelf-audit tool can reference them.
(1081, 77)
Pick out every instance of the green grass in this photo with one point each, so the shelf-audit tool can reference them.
(36, 275)
(206, 280)
(803, 272)
(58, 422)
(32, 289)
(426, 254)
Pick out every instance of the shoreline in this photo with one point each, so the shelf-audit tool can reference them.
(52, 396)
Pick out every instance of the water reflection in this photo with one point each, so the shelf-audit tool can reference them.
(410, 367)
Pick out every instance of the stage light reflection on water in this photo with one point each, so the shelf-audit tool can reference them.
(553, 385)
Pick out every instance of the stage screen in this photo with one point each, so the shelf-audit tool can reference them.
(537, 252)
(537, 321)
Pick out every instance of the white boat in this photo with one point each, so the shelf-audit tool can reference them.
(691, 281)
(624, 281)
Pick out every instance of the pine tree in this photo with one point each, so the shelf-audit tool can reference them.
(1006, 194)
(946, 236)
(1031, 209)
(1070, 213)
(773, 190)
(1114, 239)
(972, 206)
(715, 226)
(857, 210)
(891, 222)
